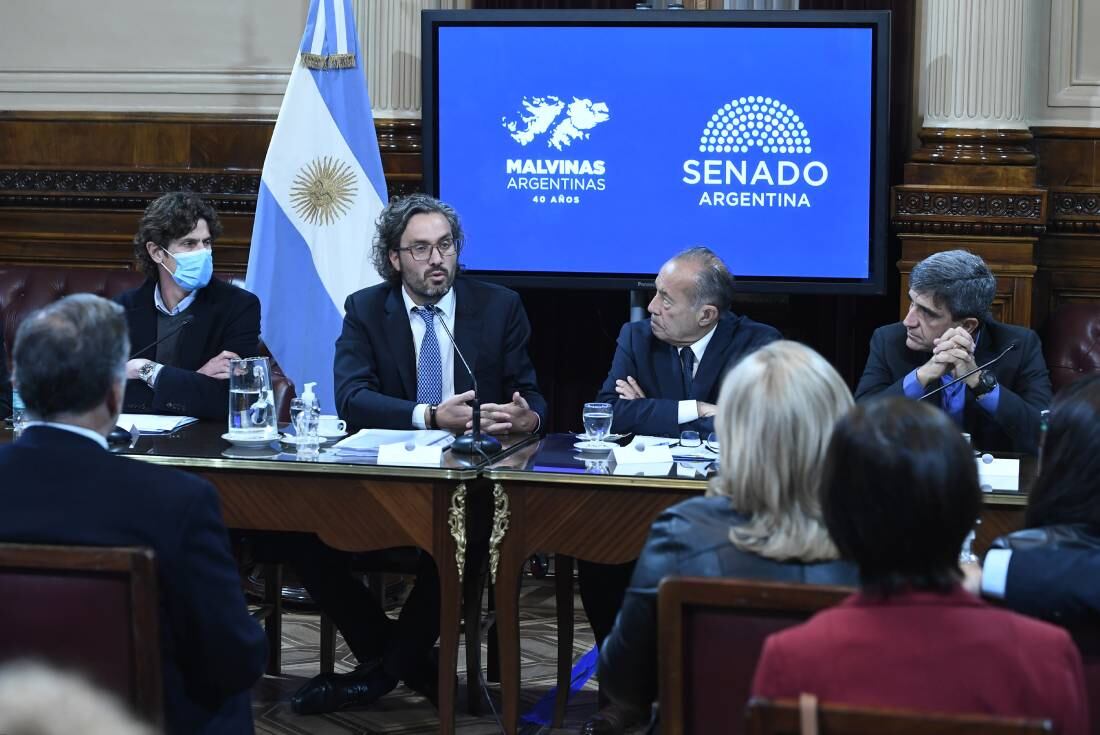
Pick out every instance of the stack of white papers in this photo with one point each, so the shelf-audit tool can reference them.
(365, 443)
(150, 423)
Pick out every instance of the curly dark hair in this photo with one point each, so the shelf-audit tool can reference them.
(391, 225)
(169, 218)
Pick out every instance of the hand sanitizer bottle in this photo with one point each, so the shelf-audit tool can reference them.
(308, 441)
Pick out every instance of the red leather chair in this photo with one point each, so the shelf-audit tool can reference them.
(24, 289)
(1071, 343)
(711, 632)
(90, 609)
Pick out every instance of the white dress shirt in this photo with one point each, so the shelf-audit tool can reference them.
(688, 410)
(446, 347)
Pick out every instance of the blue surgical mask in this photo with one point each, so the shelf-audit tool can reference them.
(194, 269)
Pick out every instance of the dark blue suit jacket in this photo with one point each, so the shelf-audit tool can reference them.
(656, 367)
(225, 318)
(375, 366)
(1022, 374)
(62, 488)
(1052, 573)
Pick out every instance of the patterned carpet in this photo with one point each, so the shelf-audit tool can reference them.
(403, 711)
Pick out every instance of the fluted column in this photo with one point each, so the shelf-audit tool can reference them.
(390, 38)
(974, 64)
(971, 183)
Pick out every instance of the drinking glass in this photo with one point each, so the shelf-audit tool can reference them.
(597, 420)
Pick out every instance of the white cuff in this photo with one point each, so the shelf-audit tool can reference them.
(995, 572)
(418, 416)
(687, 411)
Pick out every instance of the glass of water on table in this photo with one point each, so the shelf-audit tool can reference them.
(597, 424)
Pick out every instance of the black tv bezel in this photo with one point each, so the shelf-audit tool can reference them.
(877, 21)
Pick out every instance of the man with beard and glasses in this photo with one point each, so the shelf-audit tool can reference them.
(396, 368)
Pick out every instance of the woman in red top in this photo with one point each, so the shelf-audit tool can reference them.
(900, 494)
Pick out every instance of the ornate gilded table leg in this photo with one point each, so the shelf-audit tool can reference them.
(456, 519)
(501, 517)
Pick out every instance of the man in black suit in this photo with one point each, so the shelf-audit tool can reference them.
(665, 378)
(668, 369)
(62, 486)
(185, 325)
(949, 332)
(396, 368)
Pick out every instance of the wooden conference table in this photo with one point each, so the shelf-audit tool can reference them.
(558, 500)
(544, 497)
(351, 504)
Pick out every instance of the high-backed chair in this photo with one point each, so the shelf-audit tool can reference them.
(1071, 343)
(786, 717)
(24, 289)
(711, 632)
(89, 609)
(1088, 643)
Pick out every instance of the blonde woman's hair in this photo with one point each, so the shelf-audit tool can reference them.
(776, 413)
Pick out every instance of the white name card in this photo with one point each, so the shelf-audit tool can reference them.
(998, 473)
(404, 453)
(639, 452)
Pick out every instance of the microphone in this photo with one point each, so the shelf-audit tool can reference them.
(185, 322)
(474, 442)
(963, 377)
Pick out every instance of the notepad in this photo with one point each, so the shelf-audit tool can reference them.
(151, 423)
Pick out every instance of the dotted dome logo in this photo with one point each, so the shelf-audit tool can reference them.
(757, 152)
(755, 122)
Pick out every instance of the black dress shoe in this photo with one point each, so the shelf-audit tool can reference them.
(425, 679)
(614, 720)
(330, 692)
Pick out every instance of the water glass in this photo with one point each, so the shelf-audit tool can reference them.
(597, 420)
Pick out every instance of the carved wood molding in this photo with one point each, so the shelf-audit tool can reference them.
(968, 211)
(1074, 210)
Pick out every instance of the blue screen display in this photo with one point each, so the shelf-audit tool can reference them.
(607, 149)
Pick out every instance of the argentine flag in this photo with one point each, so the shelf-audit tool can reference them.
(320, 194)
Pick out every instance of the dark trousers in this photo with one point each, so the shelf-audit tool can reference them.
(403, 645)
(603, 588)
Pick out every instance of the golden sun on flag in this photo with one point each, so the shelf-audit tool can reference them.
(323, 190)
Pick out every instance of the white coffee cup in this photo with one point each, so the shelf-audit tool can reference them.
(331, 425)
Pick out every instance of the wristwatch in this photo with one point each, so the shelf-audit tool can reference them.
(147, 371)
(987, 381)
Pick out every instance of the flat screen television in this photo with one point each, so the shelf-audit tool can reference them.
(583, 148)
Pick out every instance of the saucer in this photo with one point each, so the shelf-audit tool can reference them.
(607, 437)
(594, 446)
(291, 440)
(328, 438)
(248, 443)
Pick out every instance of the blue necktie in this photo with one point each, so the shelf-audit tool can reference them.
(429, 373)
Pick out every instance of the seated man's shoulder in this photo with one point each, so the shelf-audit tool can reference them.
(221, 290)
(137, 296)
(757, 330)
(372, 296)
(168, 486)
(485, 290)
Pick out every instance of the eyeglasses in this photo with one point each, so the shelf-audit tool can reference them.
(423, 250)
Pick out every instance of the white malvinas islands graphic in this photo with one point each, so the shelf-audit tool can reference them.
(546, 112)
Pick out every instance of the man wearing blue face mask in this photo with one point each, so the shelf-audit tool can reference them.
(185, 325)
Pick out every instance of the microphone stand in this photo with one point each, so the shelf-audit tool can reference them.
(475, 442)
